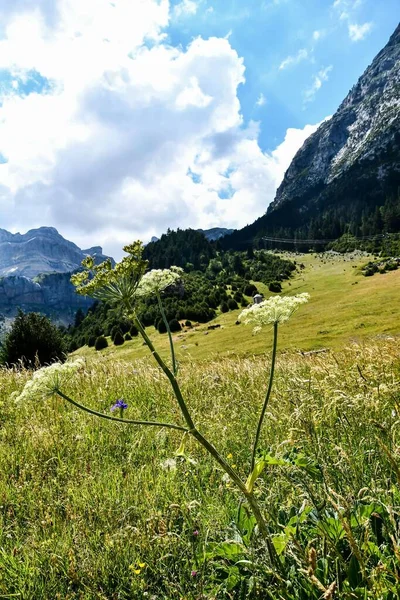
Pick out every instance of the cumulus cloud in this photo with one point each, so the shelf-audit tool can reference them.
(185, 8)
(131, 135)
(295, 59)
(359, 32)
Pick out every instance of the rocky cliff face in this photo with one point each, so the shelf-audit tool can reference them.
(363, 130)
(346, 169)
(41, 250)
(35, 271)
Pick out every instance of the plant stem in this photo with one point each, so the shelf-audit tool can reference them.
(208, 446)
(110, 418)
(168, 373)
(171, 343)
(264, 408)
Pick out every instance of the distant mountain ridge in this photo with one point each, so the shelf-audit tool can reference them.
(345, 170)
(41, 250)
(35, 270)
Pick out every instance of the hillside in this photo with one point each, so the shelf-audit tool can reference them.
(346, 176)
(345, 306)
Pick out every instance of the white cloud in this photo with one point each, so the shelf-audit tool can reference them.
(359, 32)
(185, 8)
(318, 80)
(290, 61)
(261, 100)
(131, 137)
(318, 34)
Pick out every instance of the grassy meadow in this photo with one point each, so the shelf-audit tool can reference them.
(91, 509)
(344, 306)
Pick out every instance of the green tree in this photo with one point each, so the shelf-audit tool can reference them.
(33, 341)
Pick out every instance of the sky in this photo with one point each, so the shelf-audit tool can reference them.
(120, 119)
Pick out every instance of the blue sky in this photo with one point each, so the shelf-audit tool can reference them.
(266, 33)
(119, 119)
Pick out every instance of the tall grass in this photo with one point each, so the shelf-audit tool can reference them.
(95, 510)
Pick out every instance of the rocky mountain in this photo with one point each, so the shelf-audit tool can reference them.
(215, 233)
(41, 250)
(35, 270)
(347, 168)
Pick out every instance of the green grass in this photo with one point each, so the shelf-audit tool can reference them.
(91, 509)
(344, 306)
(84, 503)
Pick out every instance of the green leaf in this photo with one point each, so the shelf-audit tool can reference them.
(258, 469)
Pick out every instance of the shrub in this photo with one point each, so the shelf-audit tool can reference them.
(101, 343)
(174, 325)
(188, 323)
(224, 307)
(113, 332)
(118, 339)
(250, 289)
(275, 286)
(133, 331)
(127, 337)
(232, 304)
(33, 339)
(161, 327)
(91, 341)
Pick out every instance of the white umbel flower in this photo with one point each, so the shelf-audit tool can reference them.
(157, 280)
(46, 381)
(277, 309)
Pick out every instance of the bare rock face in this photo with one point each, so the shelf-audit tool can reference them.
(347, 170)
(362, 133)
(41, 250)
(35, 271)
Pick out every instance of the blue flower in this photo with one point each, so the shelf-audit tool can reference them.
(119, 404)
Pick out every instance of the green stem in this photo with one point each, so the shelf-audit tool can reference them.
(171, 343)
(210, 448)
(110, 418)
(264, 408)
(168, 373)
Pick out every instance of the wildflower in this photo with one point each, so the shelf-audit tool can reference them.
(195, 533)
(193, 573)
(229, 456)
(46, 381)
(277, 309)
(157, 280)
(119, 404)
(112, 284)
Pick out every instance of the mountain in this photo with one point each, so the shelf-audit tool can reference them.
(41, 250)
(35, 270)
(215, 233)
(346, 176)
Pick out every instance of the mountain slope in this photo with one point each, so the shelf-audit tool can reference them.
(41, 250)
(347, 168)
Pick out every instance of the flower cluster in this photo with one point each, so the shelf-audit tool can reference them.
(46, 381)
(112, 284)
(157, 280)
(277, 309)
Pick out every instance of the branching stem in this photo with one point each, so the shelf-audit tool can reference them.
(264, 408)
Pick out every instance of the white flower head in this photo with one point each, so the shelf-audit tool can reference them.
(277, 309)
(157, 280)
(46, 381)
